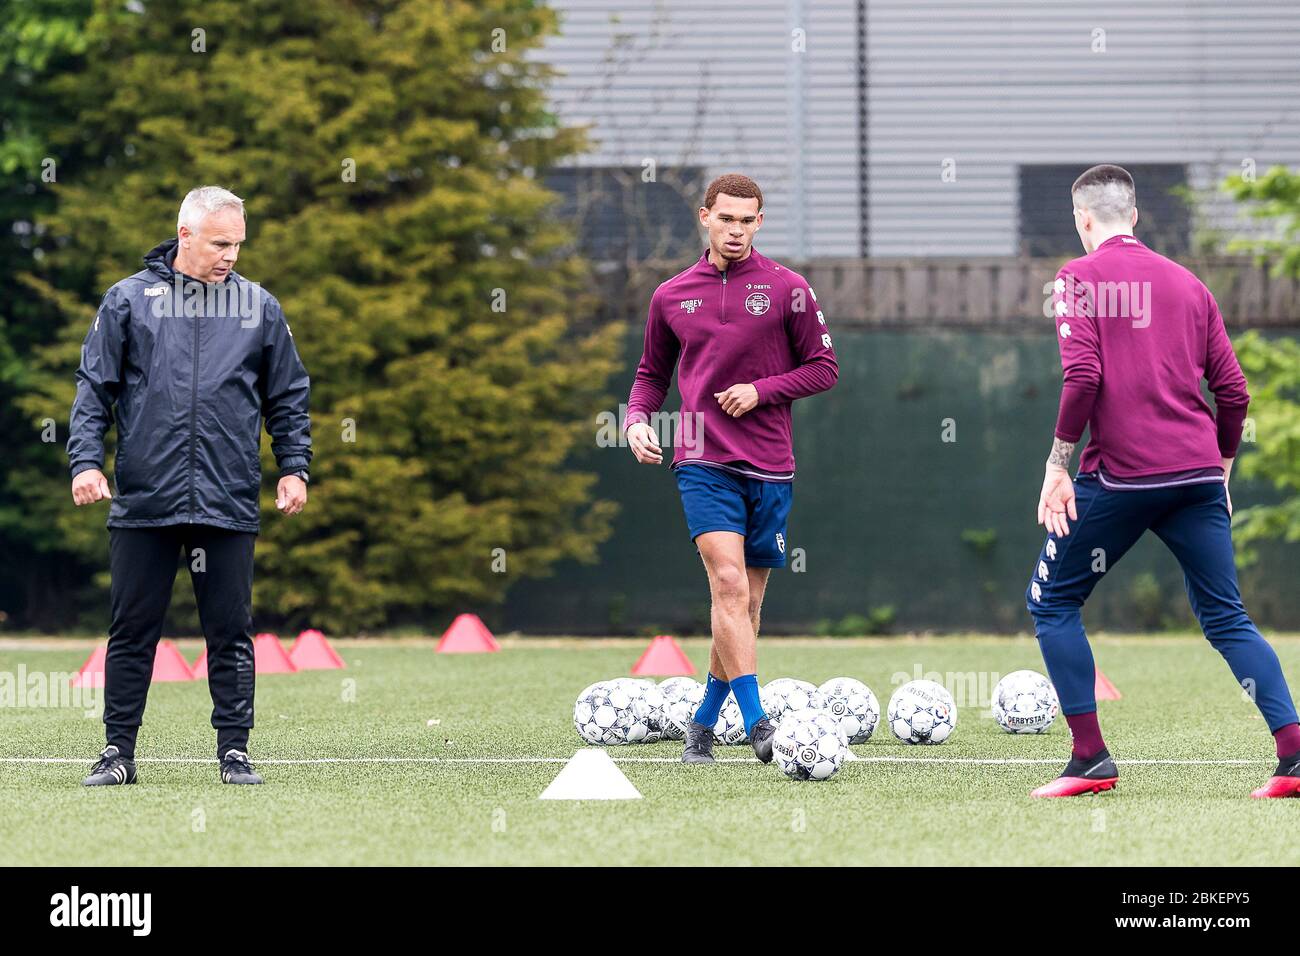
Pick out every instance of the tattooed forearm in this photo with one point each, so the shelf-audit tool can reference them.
(1061, 452)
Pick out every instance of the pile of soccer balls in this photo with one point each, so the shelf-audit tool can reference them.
(815, 725)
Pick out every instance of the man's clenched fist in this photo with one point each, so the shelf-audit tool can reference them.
(90, 486)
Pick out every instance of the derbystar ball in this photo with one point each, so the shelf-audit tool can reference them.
(730, 728)
(646, 705)
(922, 712)
(785, 694)
(602, 714)
(854, 705)
(682, 698)
(809, 745)
(1024, 702)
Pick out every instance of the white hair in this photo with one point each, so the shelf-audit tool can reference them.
(204, 201)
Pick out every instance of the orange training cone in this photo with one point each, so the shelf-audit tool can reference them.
(663, 658)
(467, 635)
(168, 664)
(92, 672)
(1104, 689)
(311, 652)
(200, 668)
(269, 656)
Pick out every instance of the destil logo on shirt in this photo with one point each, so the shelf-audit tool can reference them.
(757, 301)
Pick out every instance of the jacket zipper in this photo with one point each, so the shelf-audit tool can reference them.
(724, 297)
(194, 407)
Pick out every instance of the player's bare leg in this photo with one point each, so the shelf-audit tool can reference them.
(762, 733)
(734, 641)
(737, 592)
(723, 553)
(757, 588)
(715, 663)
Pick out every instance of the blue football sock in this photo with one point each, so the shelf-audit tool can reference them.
(715, 695)
(746, 690)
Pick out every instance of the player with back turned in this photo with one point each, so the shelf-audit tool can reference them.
(747, 339)
(1137, 334)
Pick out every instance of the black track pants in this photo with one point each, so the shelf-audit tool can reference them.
(143, 563)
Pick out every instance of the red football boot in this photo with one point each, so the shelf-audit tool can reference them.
(1093, 775)
(1284, 783)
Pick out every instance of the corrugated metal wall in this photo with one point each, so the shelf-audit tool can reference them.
(994, 84)
(989, 84)
(718, 85)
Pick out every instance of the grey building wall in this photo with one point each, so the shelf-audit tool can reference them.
(996, 84)
(718, 85)
(988, 84)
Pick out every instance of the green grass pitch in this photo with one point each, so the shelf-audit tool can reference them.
(398, 704)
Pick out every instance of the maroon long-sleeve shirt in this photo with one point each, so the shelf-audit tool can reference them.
(756, 323)
(1137, 334)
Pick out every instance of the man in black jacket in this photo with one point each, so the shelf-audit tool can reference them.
(188, 357)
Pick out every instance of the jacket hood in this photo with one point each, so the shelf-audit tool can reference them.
(160, 258)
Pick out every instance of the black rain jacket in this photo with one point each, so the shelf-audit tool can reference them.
(188, 371)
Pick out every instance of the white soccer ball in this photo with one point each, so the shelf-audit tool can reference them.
(646, 707)
(675, 687)
(602, 714)
(730, 728)
(854, 705)
(651, 708)
(809, 745)
(682, 698)
(1024, 702)
(785, 694)
(922, 712)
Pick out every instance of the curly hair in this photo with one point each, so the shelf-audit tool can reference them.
(733, 184)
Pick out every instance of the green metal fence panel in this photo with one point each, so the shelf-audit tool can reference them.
(914, 508)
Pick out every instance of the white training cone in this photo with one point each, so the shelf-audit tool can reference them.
(591, 775)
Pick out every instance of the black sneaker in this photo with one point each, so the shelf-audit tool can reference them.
(761, 737)
(235, 768)
(699, 743)
(110, 770)
(1093, 775)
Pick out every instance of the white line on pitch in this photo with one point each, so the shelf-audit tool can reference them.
(618, 759)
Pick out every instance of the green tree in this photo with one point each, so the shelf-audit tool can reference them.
(388, 154)
(1272, 365)
(38, 39)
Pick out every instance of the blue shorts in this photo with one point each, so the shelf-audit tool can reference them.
(719, 500)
